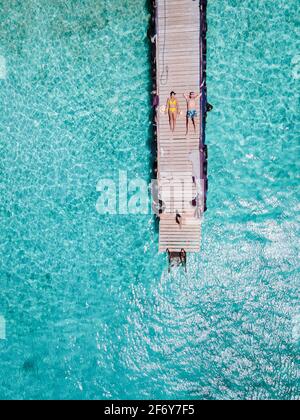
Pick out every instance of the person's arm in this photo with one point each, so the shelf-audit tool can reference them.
(200, 94)
(178, 108)
(167, 106)
(185, 96)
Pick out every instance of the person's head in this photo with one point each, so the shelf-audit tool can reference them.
(192, 95)
(172, 94)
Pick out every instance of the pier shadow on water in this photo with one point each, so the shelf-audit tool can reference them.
(152, 133)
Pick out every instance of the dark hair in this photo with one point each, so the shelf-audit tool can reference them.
(172, 93)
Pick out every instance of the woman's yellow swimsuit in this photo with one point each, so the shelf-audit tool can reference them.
(173, 105)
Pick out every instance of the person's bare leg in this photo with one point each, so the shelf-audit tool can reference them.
(170, 121)
(187, 126)
(174, 121)
(194, 124)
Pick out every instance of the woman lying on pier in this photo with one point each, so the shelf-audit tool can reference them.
(173, 110)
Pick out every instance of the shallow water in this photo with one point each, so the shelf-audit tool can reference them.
(90, 309)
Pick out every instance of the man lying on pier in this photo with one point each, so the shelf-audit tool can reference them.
(191, 109)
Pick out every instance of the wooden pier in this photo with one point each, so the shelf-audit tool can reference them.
(178, 68)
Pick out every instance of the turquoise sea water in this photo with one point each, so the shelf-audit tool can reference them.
(90, 309)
